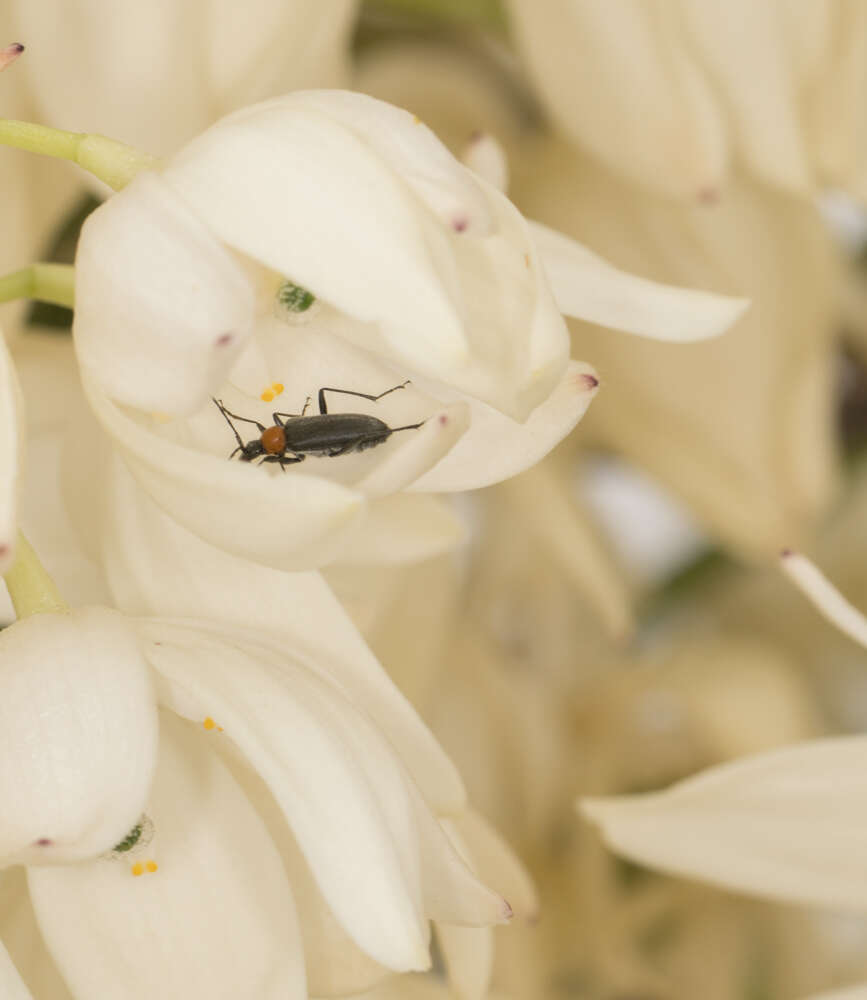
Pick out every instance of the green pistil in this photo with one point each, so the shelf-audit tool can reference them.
(130, 840)
(294, 298)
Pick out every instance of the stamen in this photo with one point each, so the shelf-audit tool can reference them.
(824, 596)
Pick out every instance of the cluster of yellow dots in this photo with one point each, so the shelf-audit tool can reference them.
(140, 868)
(272, 391)
(209, 724)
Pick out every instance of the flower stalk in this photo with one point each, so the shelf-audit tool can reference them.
(54, 283)
(30, 587)
(111, 161)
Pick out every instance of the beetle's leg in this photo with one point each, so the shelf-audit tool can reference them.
(307, 403)
(408, 427)
(228, 413)
(283, 459)
(361, 395)
(240, 447)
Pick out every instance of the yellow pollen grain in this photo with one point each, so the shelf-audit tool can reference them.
(278, 387)
(137, 869)
(151, 866)
(209, 723)
(267, 396)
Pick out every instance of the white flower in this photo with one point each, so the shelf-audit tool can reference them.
(420, 270)
(670, 93)
(158, 73)
(282, 821)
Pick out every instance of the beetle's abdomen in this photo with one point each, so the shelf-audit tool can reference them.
(329, 432)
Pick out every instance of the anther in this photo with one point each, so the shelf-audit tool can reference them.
(151, 866)
(137, 869)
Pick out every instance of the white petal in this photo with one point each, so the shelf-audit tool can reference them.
(824, 596)
(495, 862)
(588, 287)
(486, 157)
(11, 443)
(404, 528)
(23, 940)
(424, 163)
(247, 509)
(418, 454)
(338, 782)
(468, 953)
(79, 731)
(306, 196)
(215, 920)
(452, 893)
(157, 567)
(161, 308)
(495, 447)
(790, 824)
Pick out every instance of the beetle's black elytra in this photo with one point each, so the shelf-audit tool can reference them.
(294, 436)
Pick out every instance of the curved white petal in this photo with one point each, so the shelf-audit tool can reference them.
(156, 567)
(336, 779)
(162, 309)
(789, 824)
(78, 728)
(216, 919)
(309, 198)
(589, 288)
(419, 453)
(421, 159)
(484, 155)
(825, 597)
(404, 528)
(494, 861)
(288, 521)
(22, 938)
(11, 444)
(496, 447)
(468, 954)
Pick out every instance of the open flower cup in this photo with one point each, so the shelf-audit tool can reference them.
(328, 240)
(186, 796)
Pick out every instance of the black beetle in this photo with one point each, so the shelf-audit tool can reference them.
(294, 436)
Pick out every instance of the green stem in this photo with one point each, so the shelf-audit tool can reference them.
(53, 283)
(109, 160)
(31, 588)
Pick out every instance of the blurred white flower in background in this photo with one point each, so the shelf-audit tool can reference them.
(673, 94)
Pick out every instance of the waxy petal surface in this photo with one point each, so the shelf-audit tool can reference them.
(790, 824)
(216, 919)
(589, 288)
(79, 732)
(11, 442)
(162, 309)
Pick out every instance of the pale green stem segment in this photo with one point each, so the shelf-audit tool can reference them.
(31, 588)
(109, 160)
(53, 283)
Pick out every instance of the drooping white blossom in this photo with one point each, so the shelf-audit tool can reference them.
(336, 243)
(270, 784)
